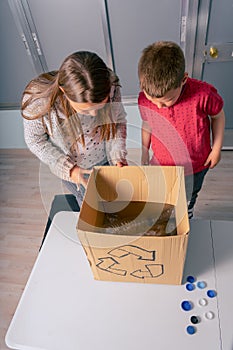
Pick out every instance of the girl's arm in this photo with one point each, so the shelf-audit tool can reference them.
(39, 144)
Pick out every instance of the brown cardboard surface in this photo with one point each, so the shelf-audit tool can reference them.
(130, 257)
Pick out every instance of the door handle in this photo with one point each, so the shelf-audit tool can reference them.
(213, 52)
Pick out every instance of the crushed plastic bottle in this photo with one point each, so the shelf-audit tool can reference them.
(130, 227)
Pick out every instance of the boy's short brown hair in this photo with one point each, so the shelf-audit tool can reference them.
(161, 68)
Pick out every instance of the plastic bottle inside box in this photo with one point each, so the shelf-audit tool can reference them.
(160, 224)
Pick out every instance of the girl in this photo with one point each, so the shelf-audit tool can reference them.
(74, 119)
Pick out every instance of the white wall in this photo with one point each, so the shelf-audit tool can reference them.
(11, 128)
(133, 127)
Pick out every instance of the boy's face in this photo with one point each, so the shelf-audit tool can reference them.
(170, 98)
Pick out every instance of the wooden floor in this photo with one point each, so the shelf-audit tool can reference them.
(27, 189)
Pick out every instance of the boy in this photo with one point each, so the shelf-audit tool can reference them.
(181, 116)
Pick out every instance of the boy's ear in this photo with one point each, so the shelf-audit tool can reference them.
(185, 78)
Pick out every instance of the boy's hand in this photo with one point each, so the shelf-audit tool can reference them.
(145, 159)
(213, 159)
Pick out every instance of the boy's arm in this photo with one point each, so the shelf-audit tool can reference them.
(217, 127)
(146, 140)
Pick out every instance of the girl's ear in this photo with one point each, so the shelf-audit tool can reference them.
(185, 78)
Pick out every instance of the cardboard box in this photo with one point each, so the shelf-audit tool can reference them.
(135, 192)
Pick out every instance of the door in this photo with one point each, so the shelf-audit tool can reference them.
(36, 36)
(213, 60)
(134, 25)
(64, 27)
(15, 68)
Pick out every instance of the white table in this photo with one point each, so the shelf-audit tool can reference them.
(64, 308)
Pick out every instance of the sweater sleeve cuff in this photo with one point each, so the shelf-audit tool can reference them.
(63, 167)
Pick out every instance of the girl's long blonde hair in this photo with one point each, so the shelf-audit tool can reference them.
(83, 77)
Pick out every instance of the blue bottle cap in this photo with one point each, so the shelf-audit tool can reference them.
(191, 330)
(190, 279)
(186, 305)
(201, 284)
(211, 293)
(190, 286)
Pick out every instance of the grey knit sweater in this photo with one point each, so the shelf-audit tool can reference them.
(54, 147)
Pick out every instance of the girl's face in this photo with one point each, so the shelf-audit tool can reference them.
(88, 108)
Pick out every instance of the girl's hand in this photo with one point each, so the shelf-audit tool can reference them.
(122, 163)
(80, 176)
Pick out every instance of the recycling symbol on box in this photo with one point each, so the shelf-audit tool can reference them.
(115, 262)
